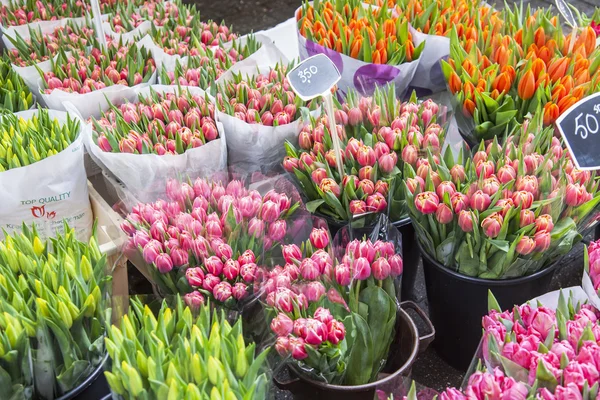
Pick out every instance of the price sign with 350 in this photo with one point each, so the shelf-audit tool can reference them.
(579, 126)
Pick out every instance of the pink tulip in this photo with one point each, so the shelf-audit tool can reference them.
(248, 272)
(283, 300)
(222, 291)
(544, 223)
(151, 251)
(214, 265)
(444, 214)
(357, 207)
(256, 228)
(309, 269)
(525, 246)
(381, 269)
(451, 394)
(336, 331)
(282, 345)
(362, 268)
(542, 241)
(483, 385)
(282, 325)
(194, 276)
(297, 348)
(323, 315)
(322, 260)
(366, 156)
(314, 291)
(319, 238)
(194, 300)
(427, 202)
(492, 224)
(163, 263)
(342, 275)
(239, 291)
(231, 269)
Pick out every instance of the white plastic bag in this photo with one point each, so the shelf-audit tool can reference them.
(48, 191)
(267, 54)
(31, 76)
(255, 147)
(145, 175)
(429, 75)
(93, 103)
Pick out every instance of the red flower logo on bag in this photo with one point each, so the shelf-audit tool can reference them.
(38, 212)
(51, 215)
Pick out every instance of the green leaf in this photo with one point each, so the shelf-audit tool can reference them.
(360, 361)
(313, 205)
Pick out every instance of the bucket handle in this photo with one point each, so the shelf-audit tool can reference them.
(288, 385)
(425, 340)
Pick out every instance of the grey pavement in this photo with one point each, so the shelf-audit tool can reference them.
(254, 15)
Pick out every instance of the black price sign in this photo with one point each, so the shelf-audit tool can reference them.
(580, 127)
(313, 77)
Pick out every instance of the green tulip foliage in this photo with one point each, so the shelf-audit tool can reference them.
(51, 313)
(179, 355)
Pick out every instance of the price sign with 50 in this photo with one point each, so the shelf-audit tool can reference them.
(579, 126)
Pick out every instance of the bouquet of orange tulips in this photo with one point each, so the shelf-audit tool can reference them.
(368, 45)
(431, 21)
(528, 66)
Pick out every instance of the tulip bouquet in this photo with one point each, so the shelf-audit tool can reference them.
(96, 69)
(159, 13)
(591, 277)
(335, 335)
(27, 141)
(208, 237)
(201, 71)
(23, 12)
(126, 18)
(160, 123)
(379, 135)
(52, 291)
(365, 33)
(505, 212)
(14, 94)
(183, 352)
(528, 66)
(265, 99)
(368, 45)
(553, 353)
(39, 47)
(14, 363)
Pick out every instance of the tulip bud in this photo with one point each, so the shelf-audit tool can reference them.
(443, 214)
(376, 202)
(506, 174)
(492, 224)
(466, 221)
(163, 263)
(445, 187)
(480, 201)
(427, 202)
(525, 246)
(387, 162)
(542, 241)
(410, 154)
(523, 199)
(544, 223)
(381, 269)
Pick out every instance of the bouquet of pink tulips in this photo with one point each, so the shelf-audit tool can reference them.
(378, 136)
(41, 47)
(208, 237)
(96, 69)
(340, 335)
(159, 13)
(161, 123)
(506, 211)
(591, 278)
(554, 353)
(188, 35)
(19, 12)
(201, 71)
(265, 99)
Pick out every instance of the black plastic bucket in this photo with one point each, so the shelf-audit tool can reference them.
(94, 387)
(457, 303)
(410, 253)
(403, 352)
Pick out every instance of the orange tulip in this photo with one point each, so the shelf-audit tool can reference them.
(495, 94)
(376, 57)
(538, 67)
(539, 37)
(566, 102)
(502, 83)
(469, 90)
(468, 107)
(558, 92)
(582, 77)
(579, 92)
(501, 55)
(581, 63)
(558, 68)
(338, 46)
(587, 40)
(410, 48)
(389, 28)
(481, 85)
(510, 71)
(544, 54)
(485, 62)
(355, 48)
(568, 82)
(519, 37)
(551, 113)
(468, 67)
(454, 83)
(526, 88)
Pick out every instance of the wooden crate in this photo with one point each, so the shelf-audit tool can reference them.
(111, 240)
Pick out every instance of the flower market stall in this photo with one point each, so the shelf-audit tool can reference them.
(371, 200)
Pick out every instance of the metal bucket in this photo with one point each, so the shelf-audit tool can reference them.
(403, 351)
